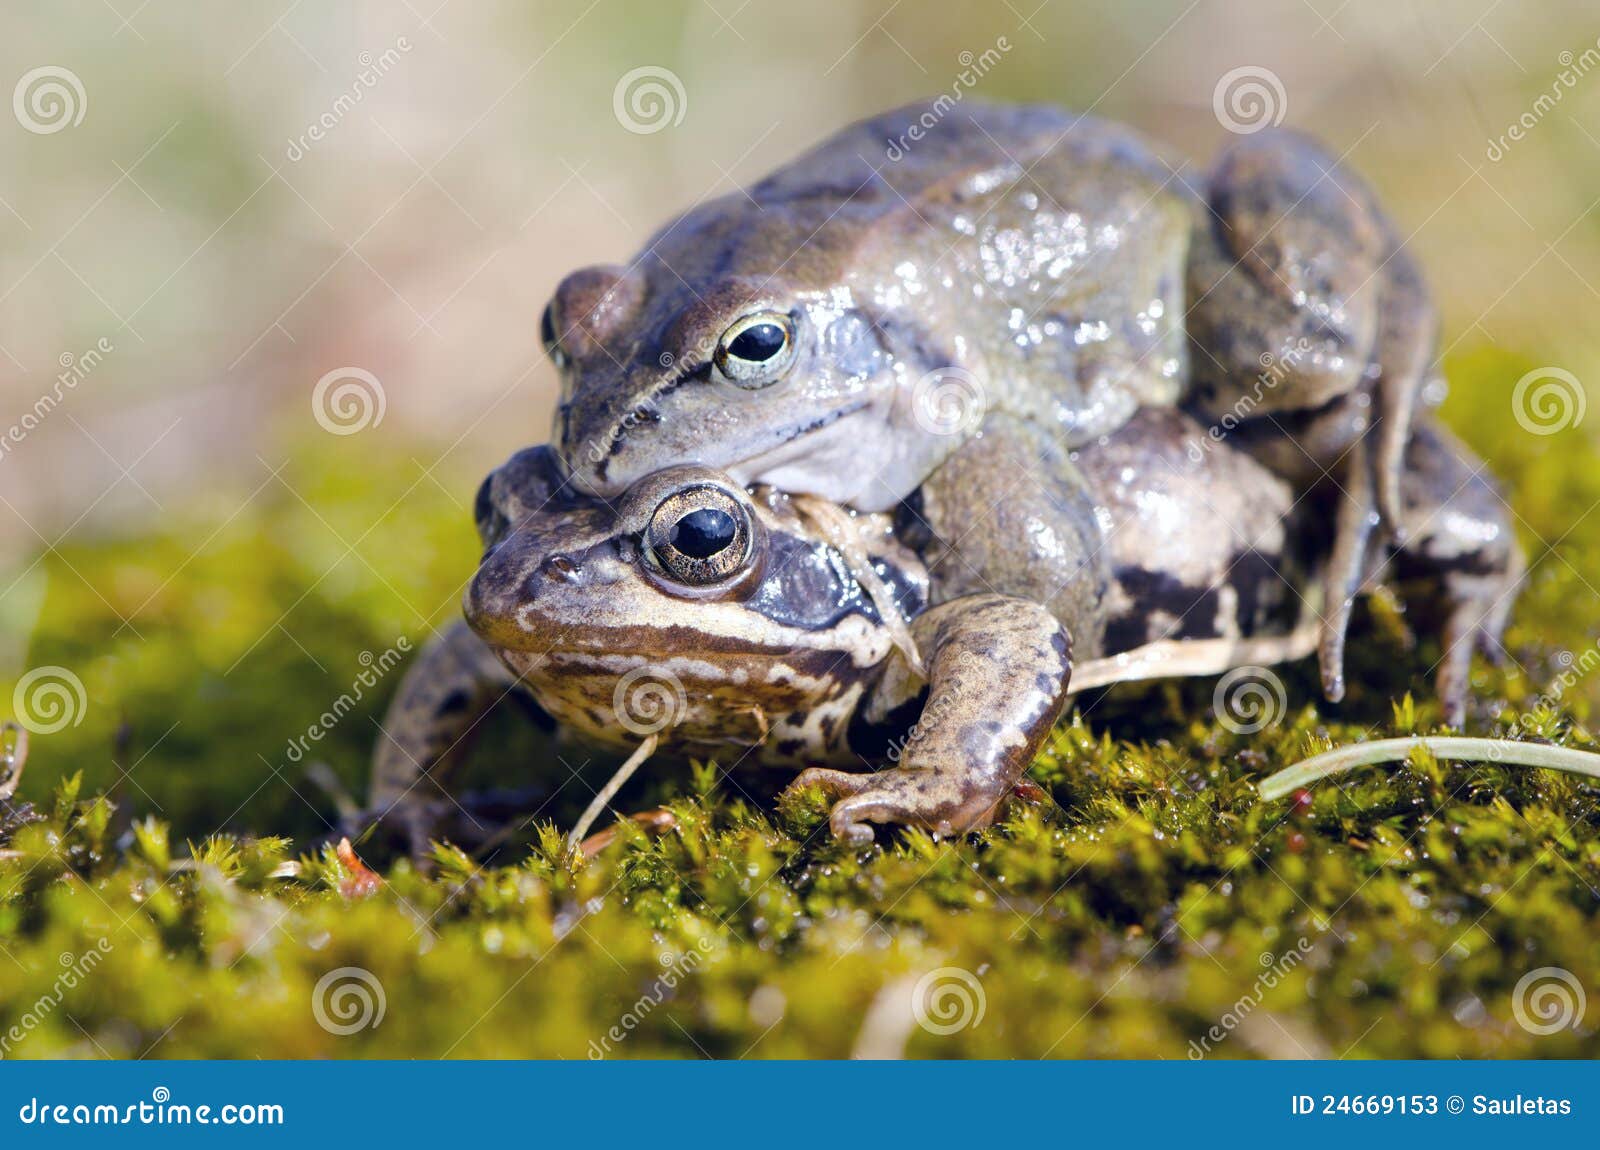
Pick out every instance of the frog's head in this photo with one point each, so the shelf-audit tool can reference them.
(683, 607)
(735, 340)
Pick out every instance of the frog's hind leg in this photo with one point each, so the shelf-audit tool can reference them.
(446, 690)
(998, 669)
(1349, 569)
(1306, 307)
(1458, 531)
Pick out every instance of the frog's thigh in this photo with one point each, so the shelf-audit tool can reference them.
(449, 686)
(1199, 535)
(1301, 295)
(998, 670)
(1011, 514)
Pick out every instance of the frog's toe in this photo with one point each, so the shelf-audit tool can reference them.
(900, 796)
(834, 784)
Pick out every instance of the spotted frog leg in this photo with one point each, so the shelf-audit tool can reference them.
(997, 680)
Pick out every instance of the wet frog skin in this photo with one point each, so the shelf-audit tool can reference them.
(770, 628)
(851, 326)
(794, 335)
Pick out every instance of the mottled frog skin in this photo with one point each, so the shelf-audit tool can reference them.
(1042, 267)
(749, 625)
(850, 327)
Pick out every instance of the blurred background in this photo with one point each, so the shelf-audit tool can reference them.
(270, 279)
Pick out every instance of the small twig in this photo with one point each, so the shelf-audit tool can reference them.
(658, 821)
(607, 792)
(1398, 750)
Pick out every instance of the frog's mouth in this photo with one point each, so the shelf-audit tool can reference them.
(828, 458)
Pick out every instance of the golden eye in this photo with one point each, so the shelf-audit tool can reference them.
(547, 336)
(699, 536)
(757, 350)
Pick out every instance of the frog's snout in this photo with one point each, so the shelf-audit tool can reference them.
(513, 597)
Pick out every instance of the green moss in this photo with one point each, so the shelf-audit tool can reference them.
(1150, 899)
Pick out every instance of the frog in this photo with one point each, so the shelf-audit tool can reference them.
(745, 624)
(857, 320)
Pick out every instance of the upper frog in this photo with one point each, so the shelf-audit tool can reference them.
(844, 325)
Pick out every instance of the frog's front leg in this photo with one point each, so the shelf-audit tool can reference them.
(1308, 318)
(445, 691)
(998, 669)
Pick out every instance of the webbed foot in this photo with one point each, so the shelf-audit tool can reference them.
(998, 670)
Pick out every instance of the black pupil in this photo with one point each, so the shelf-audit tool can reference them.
(547, 329)
(758, 342)
(704, 533)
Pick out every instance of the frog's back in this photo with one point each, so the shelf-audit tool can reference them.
(1042, 250)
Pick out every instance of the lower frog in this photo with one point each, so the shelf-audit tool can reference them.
(745, 624)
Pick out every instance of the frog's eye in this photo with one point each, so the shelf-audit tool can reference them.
(699, 536)
(757, 349)
(547, 336)
(490, 520)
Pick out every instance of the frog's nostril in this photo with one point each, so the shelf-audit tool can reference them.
(561, 567)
